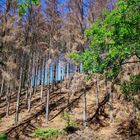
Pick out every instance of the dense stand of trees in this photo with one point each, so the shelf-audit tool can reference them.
(32, 39)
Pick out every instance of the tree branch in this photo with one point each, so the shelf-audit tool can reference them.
(130, 62)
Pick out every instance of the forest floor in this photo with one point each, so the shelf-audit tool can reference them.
(125, 126)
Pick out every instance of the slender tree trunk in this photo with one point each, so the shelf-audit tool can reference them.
(48, 94)
(67, 70)
(60, 77)
(28, 81)
(85, 109)
(97, 92)
(42, 78)
(30, 86)
(108, 91)
(65, 73)
(68, 101)
(30, 97)
(36, 74)
(69, 94)
(2, 85)
(54, 76)
(18, 97)
(111, 106)
(81, 68)
(8, 100)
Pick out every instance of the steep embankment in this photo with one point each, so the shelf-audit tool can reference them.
(125, 125)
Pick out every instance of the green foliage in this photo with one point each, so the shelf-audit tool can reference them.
(47, 133)
(66, 116)
(131, 87)
(3, 137)
(52, 133)
(35, 1)
(114, 39)
(71, 124)
(75, 57)
(26, 4)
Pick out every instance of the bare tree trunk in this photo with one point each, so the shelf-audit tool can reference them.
(54, 76)
(56, 73)
(18, 96)
(30, 97)
(81, 68)
(48, 94)
(2, 85)
(110, 103)
(97, 92)
(108, 91)
(28, 81)
(42, 78)
(30, 86)
(60, 77)
(36, 74)
(85, 109)
(68, 101)
(69, 94)
(67, 70)
(7, 101)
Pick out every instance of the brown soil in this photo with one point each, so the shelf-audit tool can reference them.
(121, 128)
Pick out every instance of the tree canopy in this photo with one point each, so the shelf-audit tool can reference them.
(113, 40)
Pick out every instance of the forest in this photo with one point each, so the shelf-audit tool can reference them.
(69, 69)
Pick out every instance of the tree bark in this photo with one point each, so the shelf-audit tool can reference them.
(30, 86)
(42, 78)
(18, 96)
(2, 85)
(110, 103)
(48, 94)
(97, 93)
(7, 101)
(85, 109)
(36, 74)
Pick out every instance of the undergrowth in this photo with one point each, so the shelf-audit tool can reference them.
(131, 87)
(3, 137)
(49, 133)
(52, 133)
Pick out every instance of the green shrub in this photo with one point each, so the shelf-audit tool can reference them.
(66, 116)
(132, 87)
(3, 137)
(47, 133)
(71, 124)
